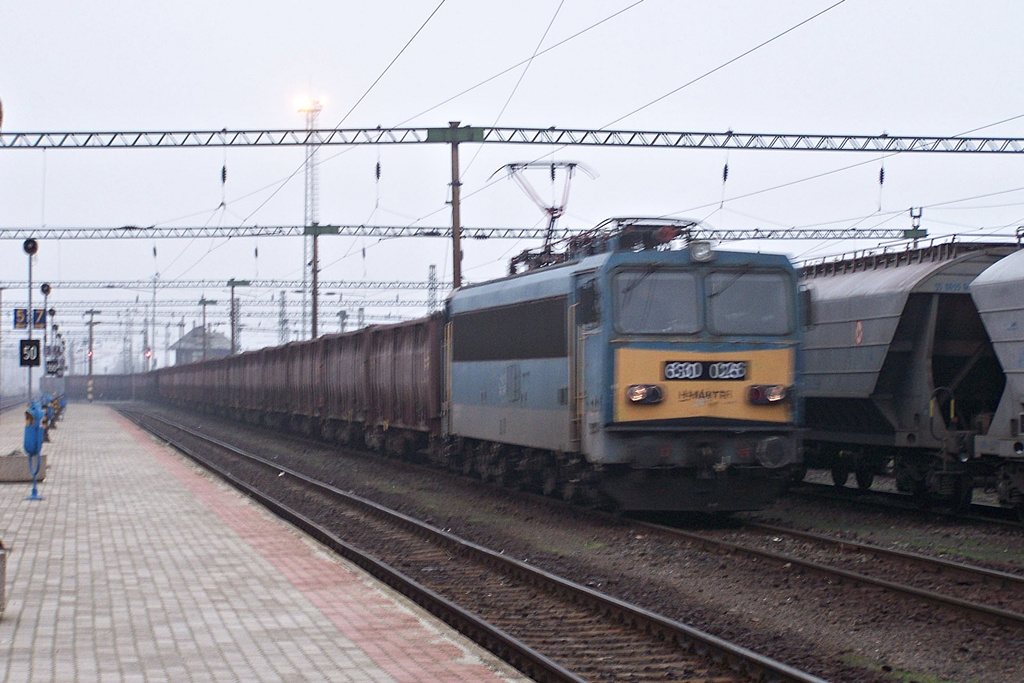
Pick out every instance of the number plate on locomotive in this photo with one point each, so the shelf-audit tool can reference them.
(704, 370)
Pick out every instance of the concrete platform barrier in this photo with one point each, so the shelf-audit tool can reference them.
(14, 468)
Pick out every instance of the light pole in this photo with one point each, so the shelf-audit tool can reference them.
(45, 289)
(312, 211)
(31, 247)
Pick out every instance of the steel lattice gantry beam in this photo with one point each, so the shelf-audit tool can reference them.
(385, 231)
(528, 136)
(288, 285)
(122, 306)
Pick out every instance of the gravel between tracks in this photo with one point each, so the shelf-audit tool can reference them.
(839, 632)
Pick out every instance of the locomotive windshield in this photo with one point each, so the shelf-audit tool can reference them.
(657, 302)
(743, 302)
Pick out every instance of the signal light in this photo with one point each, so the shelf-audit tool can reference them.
(89, 353)
(149, 353)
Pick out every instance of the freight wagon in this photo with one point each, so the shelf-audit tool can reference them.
(901, 374)
(631, 369)
(998, 445)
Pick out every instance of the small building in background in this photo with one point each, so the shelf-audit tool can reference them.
(190, 348)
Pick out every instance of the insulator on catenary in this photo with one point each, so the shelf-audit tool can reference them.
(881, 176)
(725, 173)
(223, 174)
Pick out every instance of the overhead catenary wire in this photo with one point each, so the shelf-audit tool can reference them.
(694, 80)
(521, 63)
(519, 81)
(727, 63)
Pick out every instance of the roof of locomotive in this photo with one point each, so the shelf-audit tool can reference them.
(557, 280)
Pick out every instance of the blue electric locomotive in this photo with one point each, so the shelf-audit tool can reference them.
(643, 370)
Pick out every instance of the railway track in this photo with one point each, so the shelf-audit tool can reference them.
(992, 596)
(549, 628)
(903, 502)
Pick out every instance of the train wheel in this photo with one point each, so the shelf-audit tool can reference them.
(549, 483)
(468, 461)
(497, 465)
(865, 478)
(966, 496)
(948, 491)
(840, 474)
(963, 492)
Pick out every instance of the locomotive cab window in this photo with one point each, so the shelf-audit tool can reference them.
(744, 302)
(656, 301)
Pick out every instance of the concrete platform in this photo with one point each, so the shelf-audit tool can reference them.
(138, 566)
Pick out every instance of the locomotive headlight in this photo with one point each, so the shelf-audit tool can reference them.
(700, 251)
(644, 393)
(765, 394)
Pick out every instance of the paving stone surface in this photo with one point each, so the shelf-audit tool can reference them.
(138, 566)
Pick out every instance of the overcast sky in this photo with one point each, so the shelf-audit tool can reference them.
(858, 67)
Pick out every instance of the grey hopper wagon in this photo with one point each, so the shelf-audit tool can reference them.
(999, 296)
(900, 373)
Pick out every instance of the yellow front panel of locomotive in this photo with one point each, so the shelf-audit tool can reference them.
(726, 399)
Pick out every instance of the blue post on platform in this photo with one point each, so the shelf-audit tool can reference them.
(34, 443)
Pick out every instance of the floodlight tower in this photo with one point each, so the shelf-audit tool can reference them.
(312, 210)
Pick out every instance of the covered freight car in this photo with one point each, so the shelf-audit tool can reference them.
(999, 445)
(899, 368)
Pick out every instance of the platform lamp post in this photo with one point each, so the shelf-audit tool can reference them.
(30, 246)
(45, 289)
